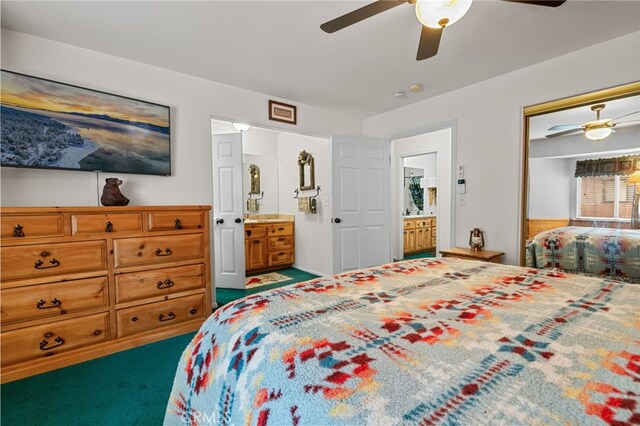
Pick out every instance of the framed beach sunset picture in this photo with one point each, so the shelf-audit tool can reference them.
(52, 125)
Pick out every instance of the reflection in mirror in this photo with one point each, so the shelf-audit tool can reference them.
(306, 170)
(420, 182)
(582, 155)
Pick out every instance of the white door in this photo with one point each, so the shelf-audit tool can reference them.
(228, 210)
(361, 202)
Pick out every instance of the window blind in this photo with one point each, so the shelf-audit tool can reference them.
(604, 197)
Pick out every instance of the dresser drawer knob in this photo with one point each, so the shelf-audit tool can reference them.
(54, 264)
(97, 332)
(193, 311)
(18, 231)
(168, 317)
(167, 252)
(178, 224)
(280, 239)
(55, 303)
(108, 227)
(165, 284)
(59, 341)
(134, 319)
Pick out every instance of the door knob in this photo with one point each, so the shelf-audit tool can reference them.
(238, 220)
(219, 221)
(337, 220)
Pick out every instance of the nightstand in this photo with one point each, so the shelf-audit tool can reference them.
(469, 254)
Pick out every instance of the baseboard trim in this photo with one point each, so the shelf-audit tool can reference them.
(308, 270)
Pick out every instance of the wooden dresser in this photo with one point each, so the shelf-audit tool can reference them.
(82, 282)
(419, 234)
(268, 246)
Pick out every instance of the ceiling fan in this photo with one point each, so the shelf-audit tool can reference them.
(595, 130)
(434, 15)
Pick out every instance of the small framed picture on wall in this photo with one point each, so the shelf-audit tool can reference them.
(282, 112)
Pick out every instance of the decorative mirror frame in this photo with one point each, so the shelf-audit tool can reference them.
(604, 95)
(254, 178)
(306, 159)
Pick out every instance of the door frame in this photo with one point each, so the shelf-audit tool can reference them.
(396, 216)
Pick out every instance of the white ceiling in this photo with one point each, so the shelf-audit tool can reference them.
(277, 48)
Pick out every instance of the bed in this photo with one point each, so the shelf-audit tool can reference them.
(595, 251)
(427, 341)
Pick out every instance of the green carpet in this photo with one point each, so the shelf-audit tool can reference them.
(226, 295)
(419, 255)
(126, 388)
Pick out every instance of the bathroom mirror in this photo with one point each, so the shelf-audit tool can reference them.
(306, 171)
(254, 179)
(420, 185)
(260, 183)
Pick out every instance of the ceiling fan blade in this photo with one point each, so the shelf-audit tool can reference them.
(626, 115)
(429, 42)
(549, 3)
(628, 121)
(562, 127)
(563, 133)
(359, 14)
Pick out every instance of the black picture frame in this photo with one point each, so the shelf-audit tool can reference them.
(126, 135)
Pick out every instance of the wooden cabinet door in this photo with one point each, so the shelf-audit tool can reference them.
(420, 240)
(257, 257)
(409, 241)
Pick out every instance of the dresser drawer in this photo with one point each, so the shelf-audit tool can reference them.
(409, 224)
(52, 259)
(161, 314)
(175, 220)
(31, 226)
(280, 243)
(56, 337)
(158, 282)
(83, 224)
(281, 257)
(149, 250)
(280, 229)
(53, 299)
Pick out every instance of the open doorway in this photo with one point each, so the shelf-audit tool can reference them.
(420, 205)
(279, 235)
(422, 192)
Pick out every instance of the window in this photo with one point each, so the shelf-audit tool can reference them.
(604, 197)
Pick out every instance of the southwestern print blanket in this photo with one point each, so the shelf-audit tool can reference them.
(596, 251)
(427, 341)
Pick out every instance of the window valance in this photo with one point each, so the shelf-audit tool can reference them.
(618, 166)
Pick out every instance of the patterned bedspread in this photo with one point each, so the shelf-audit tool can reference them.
(428, 341)
(597, 251)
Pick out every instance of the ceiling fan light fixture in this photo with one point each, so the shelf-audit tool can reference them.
(598, 133)
(441, 13)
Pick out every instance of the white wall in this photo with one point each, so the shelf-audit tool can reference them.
(489, 130)
(313, 232)
(625, 138)
(440, 142)
(192, 100)
(550, 183)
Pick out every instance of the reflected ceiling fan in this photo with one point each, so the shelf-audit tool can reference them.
(595, 130)
(434, 15)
